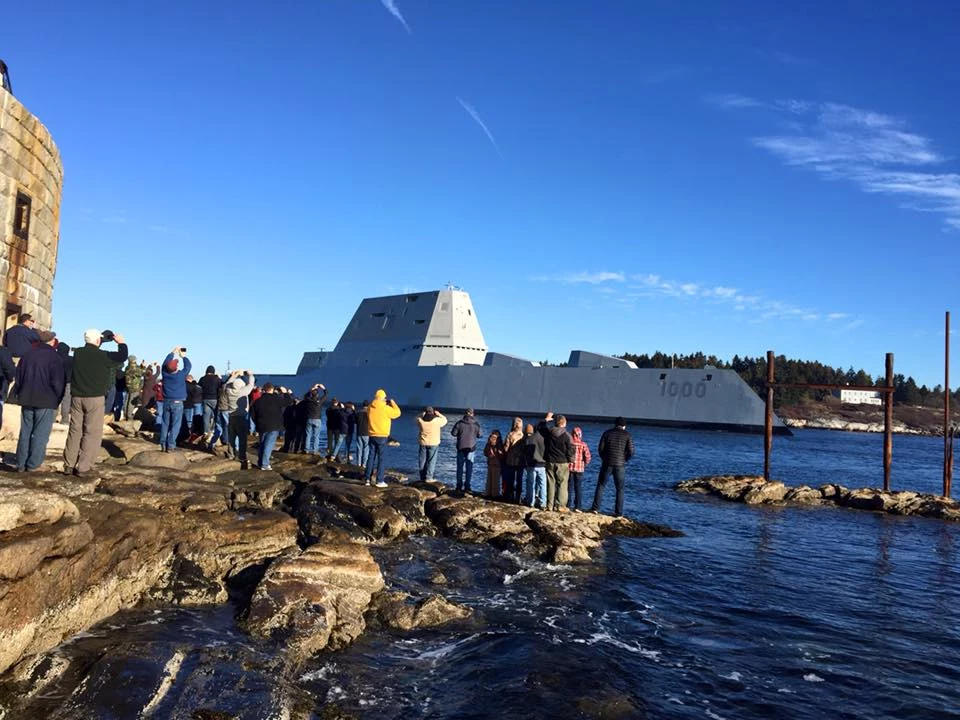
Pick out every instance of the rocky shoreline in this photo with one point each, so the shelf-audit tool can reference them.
(290, 547)
(754, 490)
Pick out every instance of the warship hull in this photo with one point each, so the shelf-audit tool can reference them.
(426, 349)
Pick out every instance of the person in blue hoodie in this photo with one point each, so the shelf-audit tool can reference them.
(176, 367)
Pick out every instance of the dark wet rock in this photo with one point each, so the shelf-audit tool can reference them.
(315, 599)
(609, 706)
(572, 538)
(398, 610)
(899, 502)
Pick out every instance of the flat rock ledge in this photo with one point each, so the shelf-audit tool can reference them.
(754, 490)
(291, 546)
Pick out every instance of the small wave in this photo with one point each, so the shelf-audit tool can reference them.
(446, 648)
(735, 676)
(320, 674)
(713, 715)
(813, 677)
(534, 567)
(610, 640)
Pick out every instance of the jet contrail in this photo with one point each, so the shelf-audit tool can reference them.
(472, 112)
(391, 6)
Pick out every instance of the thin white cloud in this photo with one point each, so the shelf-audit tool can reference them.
(583, 278)
(875, 151)
(472, 112)
(391, 7)
(763, 308)
(733, 100)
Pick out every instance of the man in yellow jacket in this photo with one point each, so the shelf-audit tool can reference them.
(380, 414)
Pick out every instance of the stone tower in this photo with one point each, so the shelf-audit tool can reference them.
(31, 181)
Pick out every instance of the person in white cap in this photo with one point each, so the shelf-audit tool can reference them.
(93, 374)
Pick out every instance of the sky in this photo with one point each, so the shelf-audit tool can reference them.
(622, 176)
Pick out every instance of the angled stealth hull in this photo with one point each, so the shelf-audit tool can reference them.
(388, 339)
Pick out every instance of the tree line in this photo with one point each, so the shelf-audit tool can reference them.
(790, 370)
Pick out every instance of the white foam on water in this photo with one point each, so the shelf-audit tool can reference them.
(320, 674)
(735, 676)
(713, 715)
(675, 700)
(443, 650)
(786, 691)
(813, 677)
(605, 637)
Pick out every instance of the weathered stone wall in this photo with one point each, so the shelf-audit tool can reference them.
(30, 164)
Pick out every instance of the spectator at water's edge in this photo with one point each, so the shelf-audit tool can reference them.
(429, 423)
(467, 431)
(512, 464)
(40, 385)
(493, 452)
(22, 336)
(581, 458)
(210, 384)
(350, 419)
(176, 367)
(536, 476)
(134, 376)
(267, 414)
(558, 454)
(63, 350)
(334, 423)
(363, 435)
(313, 417)
(233, 405)
(615, 449)
(380, 414)
(92, 374)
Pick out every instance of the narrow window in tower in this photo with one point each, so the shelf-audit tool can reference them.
(21, 218)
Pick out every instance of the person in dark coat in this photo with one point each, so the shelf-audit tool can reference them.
(40, 385)
(22, 336)
(336, 429)
(467, 431)
(63, 350)
(267, 415)
(615, 449)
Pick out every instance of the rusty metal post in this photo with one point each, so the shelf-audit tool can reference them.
(888, 424)
(947, 459)
(768, 418)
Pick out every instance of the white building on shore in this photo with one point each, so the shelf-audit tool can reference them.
(859, 397)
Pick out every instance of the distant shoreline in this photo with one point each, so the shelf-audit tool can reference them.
(907, 419)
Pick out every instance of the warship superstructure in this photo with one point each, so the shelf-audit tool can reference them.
(427, 349)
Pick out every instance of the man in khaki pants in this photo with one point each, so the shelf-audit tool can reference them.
(93, 373)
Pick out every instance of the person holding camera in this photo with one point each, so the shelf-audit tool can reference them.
(93, 374)
(176, 367)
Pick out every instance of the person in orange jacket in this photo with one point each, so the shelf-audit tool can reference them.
(380, 414)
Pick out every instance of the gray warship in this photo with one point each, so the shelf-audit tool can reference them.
(427, 349)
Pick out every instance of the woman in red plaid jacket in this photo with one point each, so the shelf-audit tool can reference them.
(581, 458)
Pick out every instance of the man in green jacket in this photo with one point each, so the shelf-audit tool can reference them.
(93, 372)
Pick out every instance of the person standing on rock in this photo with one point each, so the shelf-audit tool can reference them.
(93, 370)
(363, 435)
(134, 376)
(176, 367)
(493, 452)
(233, 405)
(615, 449)
(380, 415)
(581, 458)
(350, 418)
(334, 438)
(267, 414)
(193, 407)
(210, 385)
(536, 475)
(63, 350)
(21, 337)
(513, 463)
(40, 386)
(467, 431)
(429, 423)
(313, 417)
(558, 454)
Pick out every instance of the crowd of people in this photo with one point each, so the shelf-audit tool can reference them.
(539, 466)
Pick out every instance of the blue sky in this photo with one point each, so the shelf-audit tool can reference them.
(618, 176)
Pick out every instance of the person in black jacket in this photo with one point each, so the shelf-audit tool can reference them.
(210, 384)
(40, 385)
(558, 454)
(336, 429)
(533, 461)
(363, 435)
(267, 415)
(313, 403)
(22, 336)
(467, 431)
(193, 407)
(615, 449)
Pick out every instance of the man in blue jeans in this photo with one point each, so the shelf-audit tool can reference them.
(40, 383)
(176, 367)
(615, 449)
(466, 431)
(267, 416)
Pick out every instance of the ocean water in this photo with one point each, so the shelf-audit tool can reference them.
(755, 613)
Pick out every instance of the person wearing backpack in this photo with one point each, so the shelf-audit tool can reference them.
(467, 432)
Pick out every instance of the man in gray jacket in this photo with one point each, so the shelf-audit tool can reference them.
(232, 407)
(466, 431)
